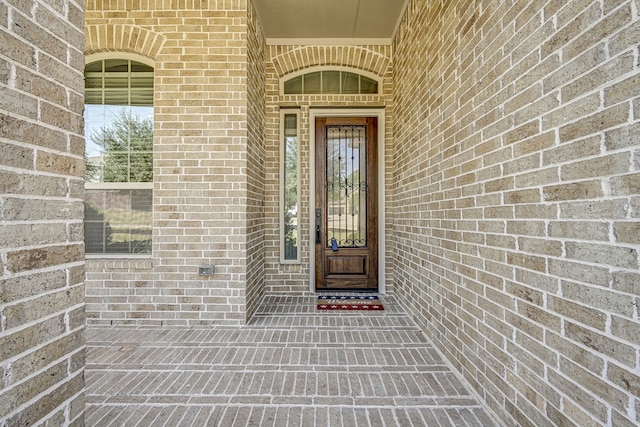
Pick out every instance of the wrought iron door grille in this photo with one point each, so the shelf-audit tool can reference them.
(346, 198)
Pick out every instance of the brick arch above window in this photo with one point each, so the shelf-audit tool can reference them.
(123, 38)
(288, 60)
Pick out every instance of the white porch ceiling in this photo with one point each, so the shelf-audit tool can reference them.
(329, 21)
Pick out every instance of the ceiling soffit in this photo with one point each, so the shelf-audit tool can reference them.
(330, 22)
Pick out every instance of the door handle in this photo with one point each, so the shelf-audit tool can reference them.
(318, 222)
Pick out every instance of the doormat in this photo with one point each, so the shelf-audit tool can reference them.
(342, 302)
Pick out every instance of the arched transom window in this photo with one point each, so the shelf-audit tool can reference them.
(330, 82)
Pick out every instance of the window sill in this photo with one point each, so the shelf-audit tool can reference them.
(118, 257)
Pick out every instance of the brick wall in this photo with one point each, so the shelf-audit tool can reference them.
(201, 157)
(216, 195)
(255, 162)
(516, 201)
(281, 61)
(41, 247)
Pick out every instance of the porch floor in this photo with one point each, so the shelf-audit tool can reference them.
(291, 366)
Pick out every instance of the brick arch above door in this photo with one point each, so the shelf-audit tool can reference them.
(288, 59)
(123, 38)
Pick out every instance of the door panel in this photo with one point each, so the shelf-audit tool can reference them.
(337, 264)
(346, 203)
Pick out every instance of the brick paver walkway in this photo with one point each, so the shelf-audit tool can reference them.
(292, 366)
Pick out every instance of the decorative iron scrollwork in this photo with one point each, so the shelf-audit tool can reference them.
(346, 186)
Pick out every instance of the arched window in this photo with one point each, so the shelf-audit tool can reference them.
(330, 82)
(119, 157)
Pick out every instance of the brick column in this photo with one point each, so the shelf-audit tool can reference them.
(208, 178)
(41, 180)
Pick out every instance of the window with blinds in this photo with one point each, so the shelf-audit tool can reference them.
(119, 157)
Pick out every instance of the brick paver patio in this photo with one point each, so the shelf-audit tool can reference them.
(292, 366)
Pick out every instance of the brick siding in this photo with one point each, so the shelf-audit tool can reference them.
(293, 279)
(516, 201)
(207, 156)
(41, 180)
(511, 167)
(142, 292)
(255, 164)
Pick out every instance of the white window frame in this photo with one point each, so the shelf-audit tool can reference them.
(120, 185)
(282, 168)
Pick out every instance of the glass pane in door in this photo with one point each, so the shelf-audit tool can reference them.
(346, 186)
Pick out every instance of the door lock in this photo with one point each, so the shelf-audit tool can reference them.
(318, 222)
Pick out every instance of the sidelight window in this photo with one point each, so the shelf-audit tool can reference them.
(290, 186)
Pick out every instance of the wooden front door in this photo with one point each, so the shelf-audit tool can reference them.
(346, 211)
